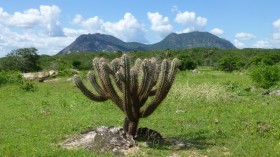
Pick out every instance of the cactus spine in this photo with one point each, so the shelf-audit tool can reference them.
(130, 87)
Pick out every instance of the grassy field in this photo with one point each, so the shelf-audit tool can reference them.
(216, 113)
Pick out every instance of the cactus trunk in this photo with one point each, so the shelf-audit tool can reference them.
(130, 126)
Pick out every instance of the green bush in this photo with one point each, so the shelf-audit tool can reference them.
(265, 76)
(230, 63)
(186, 63)
(10, 77)
(28, 86)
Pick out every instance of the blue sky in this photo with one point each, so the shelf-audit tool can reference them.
(50, 25)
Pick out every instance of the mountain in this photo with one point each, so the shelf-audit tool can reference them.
(191, 40)
(107, 43)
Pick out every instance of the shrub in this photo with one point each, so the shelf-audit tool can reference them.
(230, 63)
(28, 86)
(24, 60)
(10, 77)
(186, 63)
(265, 76)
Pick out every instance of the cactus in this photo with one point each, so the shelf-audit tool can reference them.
(130, 87)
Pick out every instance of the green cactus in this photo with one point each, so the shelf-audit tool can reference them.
(130, 87)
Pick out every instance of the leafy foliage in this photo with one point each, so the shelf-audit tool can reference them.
(10, 77)
(28, 86)
(265, 76)
(24, 60)
(230, 63)
(186, 63)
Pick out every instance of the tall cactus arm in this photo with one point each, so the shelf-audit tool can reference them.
(137, 64)
(172, 72)
(105, 78)
(129, 108)
(151, 81)
(161, 91)
(134, 85)
(95, 85)
(119, 79)
(78, 82)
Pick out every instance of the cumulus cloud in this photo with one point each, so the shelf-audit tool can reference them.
(38, 28)
(244, 36)
(159, 24)
(190, 21)
(217, 31)
(276, 36)
(46, 18)
(262, 44)
(276, 24)
(238, 44)
(11, 40)
(127, 29)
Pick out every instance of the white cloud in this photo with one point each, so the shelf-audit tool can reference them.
(69, 32)
(38, 28)
(11, 40)
(190, 21)
(244, 36)
(276, 24)
(77, 19)
(160, 24)
(127, 29)
(45, 18)
(201, 21)
(186, 17)
(217, 31)
(276, 36)
(262, 44)
(238, 44)
(175, 8)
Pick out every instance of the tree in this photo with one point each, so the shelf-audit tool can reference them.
(230, 63)
(129, 88)
(76, 64)
(24, 60)
(186, 63)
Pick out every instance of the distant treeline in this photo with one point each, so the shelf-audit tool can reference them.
(199, 56)
(224, 59)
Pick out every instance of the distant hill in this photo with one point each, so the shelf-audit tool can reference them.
(107, 43)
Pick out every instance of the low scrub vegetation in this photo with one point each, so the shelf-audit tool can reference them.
(213, 112)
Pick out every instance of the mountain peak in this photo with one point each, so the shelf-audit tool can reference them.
(107, 43)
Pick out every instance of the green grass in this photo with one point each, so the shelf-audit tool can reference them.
(210, 110)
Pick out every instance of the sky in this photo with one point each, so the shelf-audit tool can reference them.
(51, 25)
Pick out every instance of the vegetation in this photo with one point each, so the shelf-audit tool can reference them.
(24, 60)
(265, 76)
(230, 63)
(135, 92)
(212, 112)
(186, 63)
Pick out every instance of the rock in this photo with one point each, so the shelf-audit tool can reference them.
(180, 111)
(53, 80)
(43, 75)
(103, 139)
(275, 92)
(40, 76)
(29, 76)
(52, 73)
(195, 71)
(70, 79)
